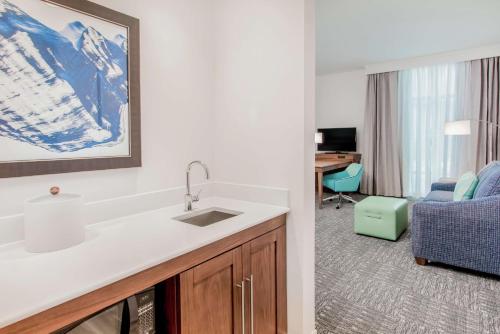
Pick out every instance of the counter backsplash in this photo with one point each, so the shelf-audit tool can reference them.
(11, 227)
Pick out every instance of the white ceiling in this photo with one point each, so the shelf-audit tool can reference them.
(353, 33)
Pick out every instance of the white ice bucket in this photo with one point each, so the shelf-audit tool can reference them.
(53, 222)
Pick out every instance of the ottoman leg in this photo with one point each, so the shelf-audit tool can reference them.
(421, 261)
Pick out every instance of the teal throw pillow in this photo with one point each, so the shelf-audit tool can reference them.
(465, 187)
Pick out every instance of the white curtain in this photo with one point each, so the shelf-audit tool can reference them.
(428, 98)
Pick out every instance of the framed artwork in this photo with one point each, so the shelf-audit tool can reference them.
(69, 88)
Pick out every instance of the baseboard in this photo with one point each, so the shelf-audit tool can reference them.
(314, 332)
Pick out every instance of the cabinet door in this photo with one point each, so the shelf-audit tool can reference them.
(211, 296)
(264, 270)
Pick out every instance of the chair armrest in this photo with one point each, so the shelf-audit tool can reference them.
(481, 211)
(341, 175)
(349, 184)
(472, 224)
(443, 186)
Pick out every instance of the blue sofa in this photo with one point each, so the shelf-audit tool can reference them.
(464, 234)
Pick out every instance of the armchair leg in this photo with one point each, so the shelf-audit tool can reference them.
(331, 198)
(341, 197)
(340, 201)
(421, 261)
(344, 197)
(349, 198)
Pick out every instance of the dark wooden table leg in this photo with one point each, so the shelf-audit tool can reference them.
(320, 189)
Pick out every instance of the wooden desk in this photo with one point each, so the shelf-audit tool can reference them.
(326, 165)
(351, 156)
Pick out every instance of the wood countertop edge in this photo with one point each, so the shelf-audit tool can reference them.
(81, 307)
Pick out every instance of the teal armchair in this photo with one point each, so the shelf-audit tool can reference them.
(347, 181)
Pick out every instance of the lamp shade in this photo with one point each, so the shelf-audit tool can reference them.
(318, 138)
(457, 128)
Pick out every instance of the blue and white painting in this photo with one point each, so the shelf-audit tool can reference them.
(63, 84)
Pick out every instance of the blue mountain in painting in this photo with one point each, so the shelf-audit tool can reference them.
(61, 91)
(73, 31)
(121, 41)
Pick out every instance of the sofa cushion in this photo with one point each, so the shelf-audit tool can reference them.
(465, 187)
(439, 196)
(485, 169)
(489, 186)
(485, 172)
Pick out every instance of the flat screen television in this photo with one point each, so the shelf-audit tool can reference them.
(338, 139)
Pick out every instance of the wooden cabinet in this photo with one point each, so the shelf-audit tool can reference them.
(233, 285)
(242, 291)
(264, 270)
(210, 296)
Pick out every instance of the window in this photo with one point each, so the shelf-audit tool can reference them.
(428, 98)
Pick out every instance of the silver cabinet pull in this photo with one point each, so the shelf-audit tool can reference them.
(251, 302)
(242, 286)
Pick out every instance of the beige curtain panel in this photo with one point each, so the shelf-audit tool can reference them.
(381, 144)
(485, 104)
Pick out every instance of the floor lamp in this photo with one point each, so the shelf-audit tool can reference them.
(457, 128)
(463, 128)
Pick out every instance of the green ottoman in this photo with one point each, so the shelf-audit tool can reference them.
(381, 217)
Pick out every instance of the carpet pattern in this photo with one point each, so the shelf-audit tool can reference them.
(368, 285)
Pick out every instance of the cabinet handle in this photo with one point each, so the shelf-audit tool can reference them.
(242, 287)
(251, 302)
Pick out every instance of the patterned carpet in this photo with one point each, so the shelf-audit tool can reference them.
(367, 285)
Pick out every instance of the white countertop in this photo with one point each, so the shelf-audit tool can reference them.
(115, 249)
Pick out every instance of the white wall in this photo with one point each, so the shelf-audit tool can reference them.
(262, 120)
(177, 106)
(340, 101)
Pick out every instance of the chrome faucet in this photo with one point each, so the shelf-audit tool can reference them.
(189, 199)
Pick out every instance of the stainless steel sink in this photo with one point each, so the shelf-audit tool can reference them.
(207, 217)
